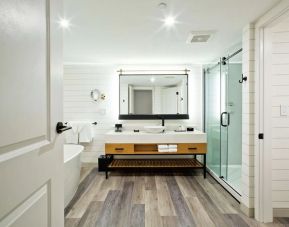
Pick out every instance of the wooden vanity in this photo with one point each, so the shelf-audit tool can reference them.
(189, 145)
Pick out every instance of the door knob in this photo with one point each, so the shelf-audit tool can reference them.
(60, 127)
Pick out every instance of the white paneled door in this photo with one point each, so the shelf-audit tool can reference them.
(31, 156)
(272, 118)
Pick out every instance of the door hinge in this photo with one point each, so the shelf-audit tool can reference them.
(261, 136)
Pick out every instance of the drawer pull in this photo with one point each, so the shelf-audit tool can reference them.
(119, 149)
(192, 148)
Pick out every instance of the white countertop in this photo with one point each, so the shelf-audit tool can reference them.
(145, 137)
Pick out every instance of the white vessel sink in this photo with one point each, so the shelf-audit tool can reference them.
(154, 129)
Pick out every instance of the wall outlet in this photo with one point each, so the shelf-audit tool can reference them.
(283, 110)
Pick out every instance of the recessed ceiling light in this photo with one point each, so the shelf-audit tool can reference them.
(170, 21)
(64, 23)
(152, 79)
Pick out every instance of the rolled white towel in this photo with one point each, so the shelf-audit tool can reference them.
(171, 146)
(164, 150)
(163, 146)
(173, 150)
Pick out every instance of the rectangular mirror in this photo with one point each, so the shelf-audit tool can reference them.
(153, 96)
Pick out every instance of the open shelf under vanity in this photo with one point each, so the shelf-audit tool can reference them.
(189, 162)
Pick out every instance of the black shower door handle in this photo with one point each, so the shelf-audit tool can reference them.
(228, 119)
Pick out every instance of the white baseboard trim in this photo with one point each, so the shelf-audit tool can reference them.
(250, 212)
(281, 212)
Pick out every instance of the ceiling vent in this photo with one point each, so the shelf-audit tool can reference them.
(199, 37)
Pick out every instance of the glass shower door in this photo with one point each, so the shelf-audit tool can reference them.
(231, 122)
(224, 120)
(234, 108)
(223, 106)
(213, 93)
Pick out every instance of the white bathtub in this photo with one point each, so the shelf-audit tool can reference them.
(71, 170)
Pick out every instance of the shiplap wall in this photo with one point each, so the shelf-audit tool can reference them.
(280, 124)
(79, 80)
(248, 115)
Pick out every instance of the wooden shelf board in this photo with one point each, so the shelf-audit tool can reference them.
(152, 152)
(155, 152)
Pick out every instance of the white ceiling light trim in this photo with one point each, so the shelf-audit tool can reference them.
(64, 23)
(170, 21)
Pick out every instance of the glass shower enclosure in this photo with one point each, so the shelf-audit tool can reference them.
(223, 119)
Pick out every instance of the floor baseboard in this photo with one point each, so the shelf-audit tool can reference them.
(250, 212)
(281, 212)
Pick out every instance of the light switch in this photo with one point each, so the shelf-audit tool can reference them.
(284, 110)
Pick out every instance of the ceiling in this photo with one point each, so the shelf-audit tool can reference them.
(132, 31)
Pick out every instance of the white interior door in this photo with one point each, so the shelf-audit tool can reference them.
(272, 98)
(31, 157)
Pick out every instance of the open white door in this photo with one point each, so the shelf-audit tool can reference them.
(31, 157)
(272, 91)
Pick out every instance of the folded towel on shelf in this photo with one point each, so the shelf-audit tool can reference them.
(173, 150)
(172, 146)
(163, 148)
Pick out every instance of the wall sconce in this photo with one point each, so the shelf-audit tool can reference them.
(96, 95)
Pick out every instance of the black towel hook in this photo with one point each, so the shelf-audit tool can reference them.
(244, 78)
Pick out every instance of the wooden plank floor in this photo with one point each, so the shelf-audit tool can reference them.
(154, 200)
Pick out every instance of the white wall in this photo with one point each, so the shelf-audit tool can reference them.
(280, 124)
(79, 80)
(248, 115)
